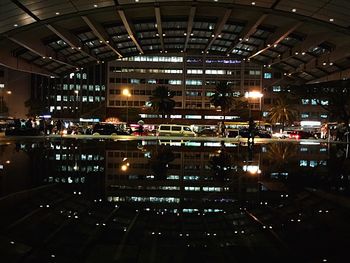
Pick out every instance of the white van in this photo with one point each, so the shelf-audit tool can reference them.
(175, 130)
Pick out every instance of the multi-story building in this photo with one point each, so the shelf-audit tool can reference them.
(192, 78)
(78, 94)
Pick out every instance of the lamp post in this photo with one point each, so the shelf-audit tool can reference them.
(126, 92)
(254, 95)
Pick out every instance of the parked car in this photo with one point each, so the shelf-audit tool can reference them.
(207, 133)
(175, 130)
(301, 135)
(281, 135)
(108, 129)
(244, 133)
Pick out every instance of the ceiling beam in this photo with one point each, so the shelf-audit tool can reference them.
(248, 30)
(129, 30)
(328, 58)
(190, 25)
(311, 40)
(35, 45)
(159, 26)
(17, 63)
(277, 37)
(72, 40)
(339, 75)
(101, 33)
(218, 28)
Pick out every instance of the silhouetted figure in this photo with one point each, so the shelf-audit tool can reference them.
(140, 130)
(251, 131)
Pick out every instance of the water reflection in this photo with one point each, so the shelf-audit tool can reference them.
(156, 201)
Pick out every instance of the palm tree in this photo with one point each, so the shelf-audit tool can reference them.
(161, 100)
(283, 111)
(225, 98)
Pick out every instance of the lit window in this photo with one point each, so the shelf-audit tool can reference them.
(2, 85)
(305, 101)
(197, 117)
(267, 75)
(58, 98)
(276, 88)
(305, 115)
(303, 163)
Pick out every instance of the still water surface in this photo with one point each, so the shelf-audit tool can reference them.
(148, 201)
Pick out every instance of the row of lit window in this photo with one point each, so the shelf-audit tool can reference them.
(312, 163)
(305, 115)
(173, 188)
(179, 116)
(86, 169)
(143, 199)
(176, 82)
(314, 102)
(77, 98)
(68, 180)
(153, 59)
(83, 157)
(84, 87)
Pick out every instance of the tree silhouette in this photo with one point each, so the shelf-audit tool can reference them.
(161, 100)
(161, 156)
(283, 111)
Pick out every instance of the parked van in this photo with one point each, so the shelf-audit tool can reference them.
(175, 130)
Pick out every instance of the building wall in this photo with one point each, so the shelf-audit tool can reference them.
(192, 78)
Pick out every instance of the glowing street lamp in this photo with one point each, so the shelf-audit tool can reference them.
(254, 95)
(126, 92)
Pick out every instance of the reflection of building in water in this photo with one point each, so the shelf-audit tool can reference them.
(282, 159)
(73, 163)
(178, 175)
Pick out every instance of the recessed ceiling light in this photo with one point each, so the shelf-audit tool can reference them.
(253, 3)
(212, 35)
(163, 35)
(57, 13)
(15, 25)
(137, 1)
(185, 34)
(331, 20)
(294, 10)
(95, 5)
(303, 53)
(107, 41)
(215, 0)
(331, 63)
(191, 34)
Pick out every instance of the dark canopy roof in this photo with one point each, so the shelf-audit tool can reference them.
(308, 40)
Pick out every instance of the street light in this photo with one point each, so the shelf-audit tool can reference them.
(126, 92)
(253, 95)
